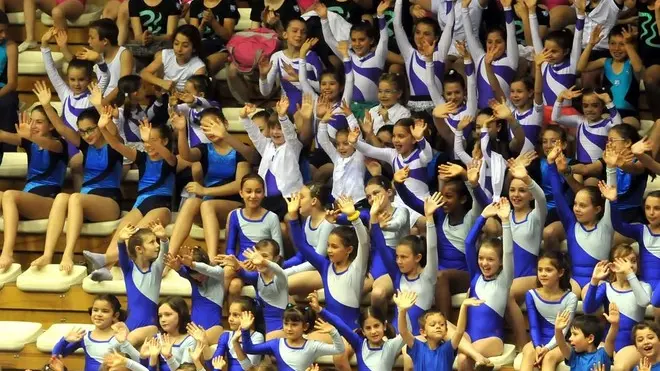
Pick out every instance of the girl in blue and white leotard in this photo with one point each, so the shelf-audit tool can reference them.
(648, 238)
(505, 62)
(630, 295)
(344, 269)
(376, 345)
(294, 352)
(527, 225)
(413, 269)
(588, 226)
(97, 343)
(229, 342)
(269, 281)
(491, 274)
(453, 222)
(544, 303)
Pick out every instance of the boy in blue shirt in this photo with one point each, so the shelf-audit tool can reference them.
(646, 336)
(436, 353)
(586, 333)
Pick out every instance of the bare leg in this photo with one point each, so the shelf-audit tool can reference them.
(381, 292)
(529, 357)
(516, 295)
(56, 220)
(342, 361)
(213, 334)
(488, 347)
(561, 16)
(68, 10)
(96, 209)
(31, 206)
(30, 14)
(626, 358)
(234, 289)
(111, 9)
(553, 233)
(551, 360)
(214, 213)
(122, 23)
(304, 283)
(76, 166)
(216, 61)
(184, 222)
(137, 336)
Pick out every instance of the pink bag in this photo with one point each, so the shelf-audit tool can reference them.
(246, 48)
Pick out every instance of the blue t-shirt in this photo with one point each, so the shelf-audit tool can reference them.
(585, 361)
(439, 359)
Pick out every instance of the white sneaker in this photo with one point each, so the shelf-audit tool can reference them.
(27, 45)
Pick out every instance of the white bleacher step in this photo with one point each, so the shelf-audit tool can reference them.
(91, 13)
(172, 284)
(46, 341)
(50, 278)
(10, 275)
(132, 176)
(645, 127)
(37, 226)
(31, 62)
(196, 232)
(57, 105)
(231, 114)
(244, 21)
(14, 165)
(327, 361)
(518, 361)
(16, 334)
(100, 229)
(249, 292)
(18, 18)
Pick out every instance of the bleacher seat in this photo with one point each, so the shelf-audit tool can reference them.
(37, 226)
(644, 127)
(50, 278)
(46, 341)
(506, 358)
(31, 63)
(221, 75)
(327, 360)
(92, 12)
(196, 232)
(244, 21)
(231, 114)
(18, 18)
(16, 334)
(518, 361)
(100, 229)
(10, 274)
(14, 165)
(172, 284)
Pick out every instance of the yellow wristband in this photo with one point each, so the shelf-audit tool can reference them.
(353, 217)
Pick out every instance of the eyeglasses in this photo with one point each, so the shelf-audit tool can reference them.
(88, 131)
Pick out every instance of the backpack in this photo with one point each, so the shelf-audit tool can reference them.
(246, 48)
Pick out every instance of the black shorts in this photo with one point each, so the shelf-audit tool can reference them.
(235, 198)
(275, 204)
(628, 113)
(211, 46)
(154, 202)
(318, 158)
(552, 217)
(113, 193)
(46, 191)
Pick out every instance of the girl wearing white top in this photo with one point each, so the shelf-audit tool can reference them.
(178, 63)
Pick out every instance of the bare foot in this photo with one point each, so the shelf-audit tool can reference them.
(66, 265)
(5, 262)
(41, 261)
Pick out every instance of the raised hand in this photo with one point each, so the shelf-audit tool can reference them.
(554, 153)
(404, 300)
(196, 354)
(114, 360)
(383, 6)
(172, 262)
(473, 170)
(306, 108)
(605, 97)
(323, 326)
(418, 129)
(61, 38)
(613, 314)
(461, 47)
(307, 46)
(621, 265)
(542, 57)
(197, 333)
(186, 255)
(601, 272)
(433, 203)
(427, 49)
(490, 210)
(596, 35)
(247, 110)
(293, 203)
(384, 218)
(43, 93)
(218, 363)
(255, 257)
(264, 67)
(145, 130)
(500, 109)
(89, 55)
(644, 362)
(342, 48)
(157, 228)
(401, 175)
(45, 38)
(346, 205)
(443, 111)
(353, 135)
(282, 106)
(610, 156)
(321, 10)
(313, 299)
(314, 367)
(518, 170)
(643, 146)
(76, 334)
(127, 232)
(562, 319)
(377, 204)
(450, 170)
(609, 193)
(178, 120)
(572, 92)
(121, 331)
(367, 123)
(580, 6)
(247, 319)
(504, 209)
(472, 302)
(23, 128)
(166, 344)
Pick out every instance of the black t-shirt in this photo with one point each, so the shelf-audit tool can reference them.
(649, 38)
(154, 18)
(226, 9)
(543, 17)
(287, 11)
(349, 10)
(406, 20)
